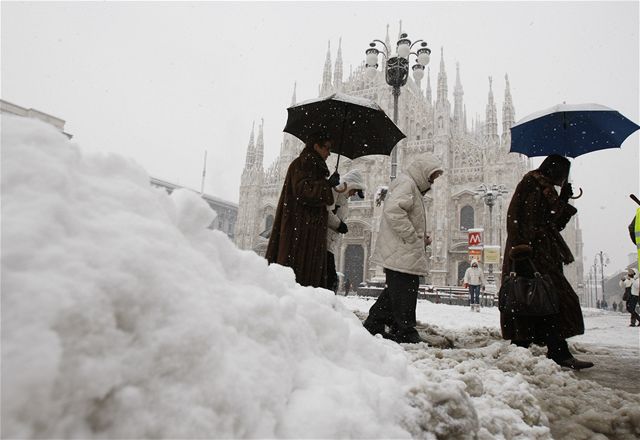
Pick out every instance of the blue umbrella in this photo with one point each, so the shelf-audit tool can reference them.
(570, 130)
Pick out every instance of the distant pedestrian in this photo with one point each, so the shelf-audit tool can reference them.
(347, 285)
(474, 280)
(614, 305)
(299, 233)
(630, 295)
(350, 184)
(401, 251)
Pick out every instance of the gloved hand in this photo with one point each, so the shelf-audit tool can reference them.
(334, 179)
(566, 192)
(342, 228)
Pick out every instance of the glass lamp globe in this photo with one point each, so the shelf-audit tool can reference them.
(372, 56)
(423, 56)
(418, 72)
(403, 48)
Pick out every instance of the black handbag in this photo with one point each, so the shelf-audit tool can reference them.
(626, 294)
(527, 296)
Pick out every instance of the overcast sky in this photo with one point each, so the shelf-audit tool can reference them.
(163, 82)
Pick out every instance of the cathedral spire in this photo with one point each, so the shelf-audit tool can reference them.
(250, 159)
(260, 147)
(337, 73)
(387, 42)
(442, 79)
(508, 113)
(326, 87)
(293, 97)
(491, 127)
(458, 93)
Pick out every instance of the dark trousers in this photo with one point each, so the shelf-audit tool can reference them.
(631, 308)
(332, 275)
(474, 294)
(395, 307)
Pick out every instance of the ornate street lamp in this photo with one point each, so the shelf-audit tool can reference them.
(490, 193)
(604, 260)
(397, 72)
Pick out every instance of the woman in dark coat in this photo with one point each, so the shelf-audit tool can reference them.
(299, 234)
(535, 218)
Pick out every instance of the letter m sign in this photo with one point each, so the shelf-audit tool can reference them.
(475, 237)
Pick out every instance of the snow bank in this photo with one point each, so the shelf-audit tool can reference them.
(124, 317)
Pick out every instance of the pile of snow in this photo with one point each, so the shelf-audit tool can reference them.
(123, 316)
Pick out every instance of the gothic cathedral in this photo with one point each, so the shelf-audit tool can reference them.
(471, 156)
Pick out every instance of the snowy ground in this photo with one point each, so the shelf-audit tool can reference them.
(124, 317)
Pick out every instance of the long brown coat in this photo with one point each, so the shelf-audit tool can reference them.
(535, 217)
(299, 234)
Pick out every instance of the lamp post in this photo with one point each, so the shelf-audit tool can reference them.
(604, 260)
(397, 72)
(490, 193)
(594, 286)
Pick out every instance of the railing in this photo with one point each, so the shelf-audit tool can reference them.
(453, 295)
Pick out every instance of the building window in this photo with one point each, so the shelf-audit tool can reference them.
(268, 222)
(466, 218)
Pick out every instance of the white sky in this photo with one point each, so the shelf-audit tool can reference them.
(123, 317)
(161, 82)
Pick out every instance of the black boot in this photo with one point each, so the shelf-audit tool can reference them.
(574, 364)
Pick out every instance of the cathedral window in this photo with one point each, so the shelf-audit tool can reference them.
(466, 218)
(268, 222)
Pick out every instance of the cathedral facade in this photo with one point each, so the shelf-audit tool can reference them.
(471, 156)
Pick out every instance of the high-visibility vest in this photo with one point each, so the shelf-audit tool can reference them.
(638, 236)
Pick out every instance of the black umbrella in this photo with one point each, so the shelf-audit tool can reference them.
(358, 126)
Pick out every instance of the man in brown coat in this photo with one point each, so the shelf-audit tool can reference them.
(299, 234)
(535, 218)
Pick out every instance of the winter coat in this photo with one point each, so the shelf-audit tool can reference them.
(535, 218)
(299, 233)
(400, 243)
(339, 211)
(474, 276)
(626, 284)
(631, 284)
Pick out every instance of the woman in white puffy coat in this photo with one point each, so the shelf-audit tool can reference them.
(350, 183)
(400, 250)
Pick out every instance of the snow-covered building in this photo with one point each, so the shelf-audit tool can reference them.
(226, 212)
(14, 109)
(470, 156)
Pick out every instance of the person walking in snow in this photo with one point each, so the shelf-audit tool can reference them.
(299, 233)
(474, 280)
(535, 218)
(400, 250)
(631, 295)
(350, 184)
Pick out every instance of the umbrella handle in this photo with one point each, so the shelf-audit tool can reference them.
(634, 198)
(578, 196)
(338, 162)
